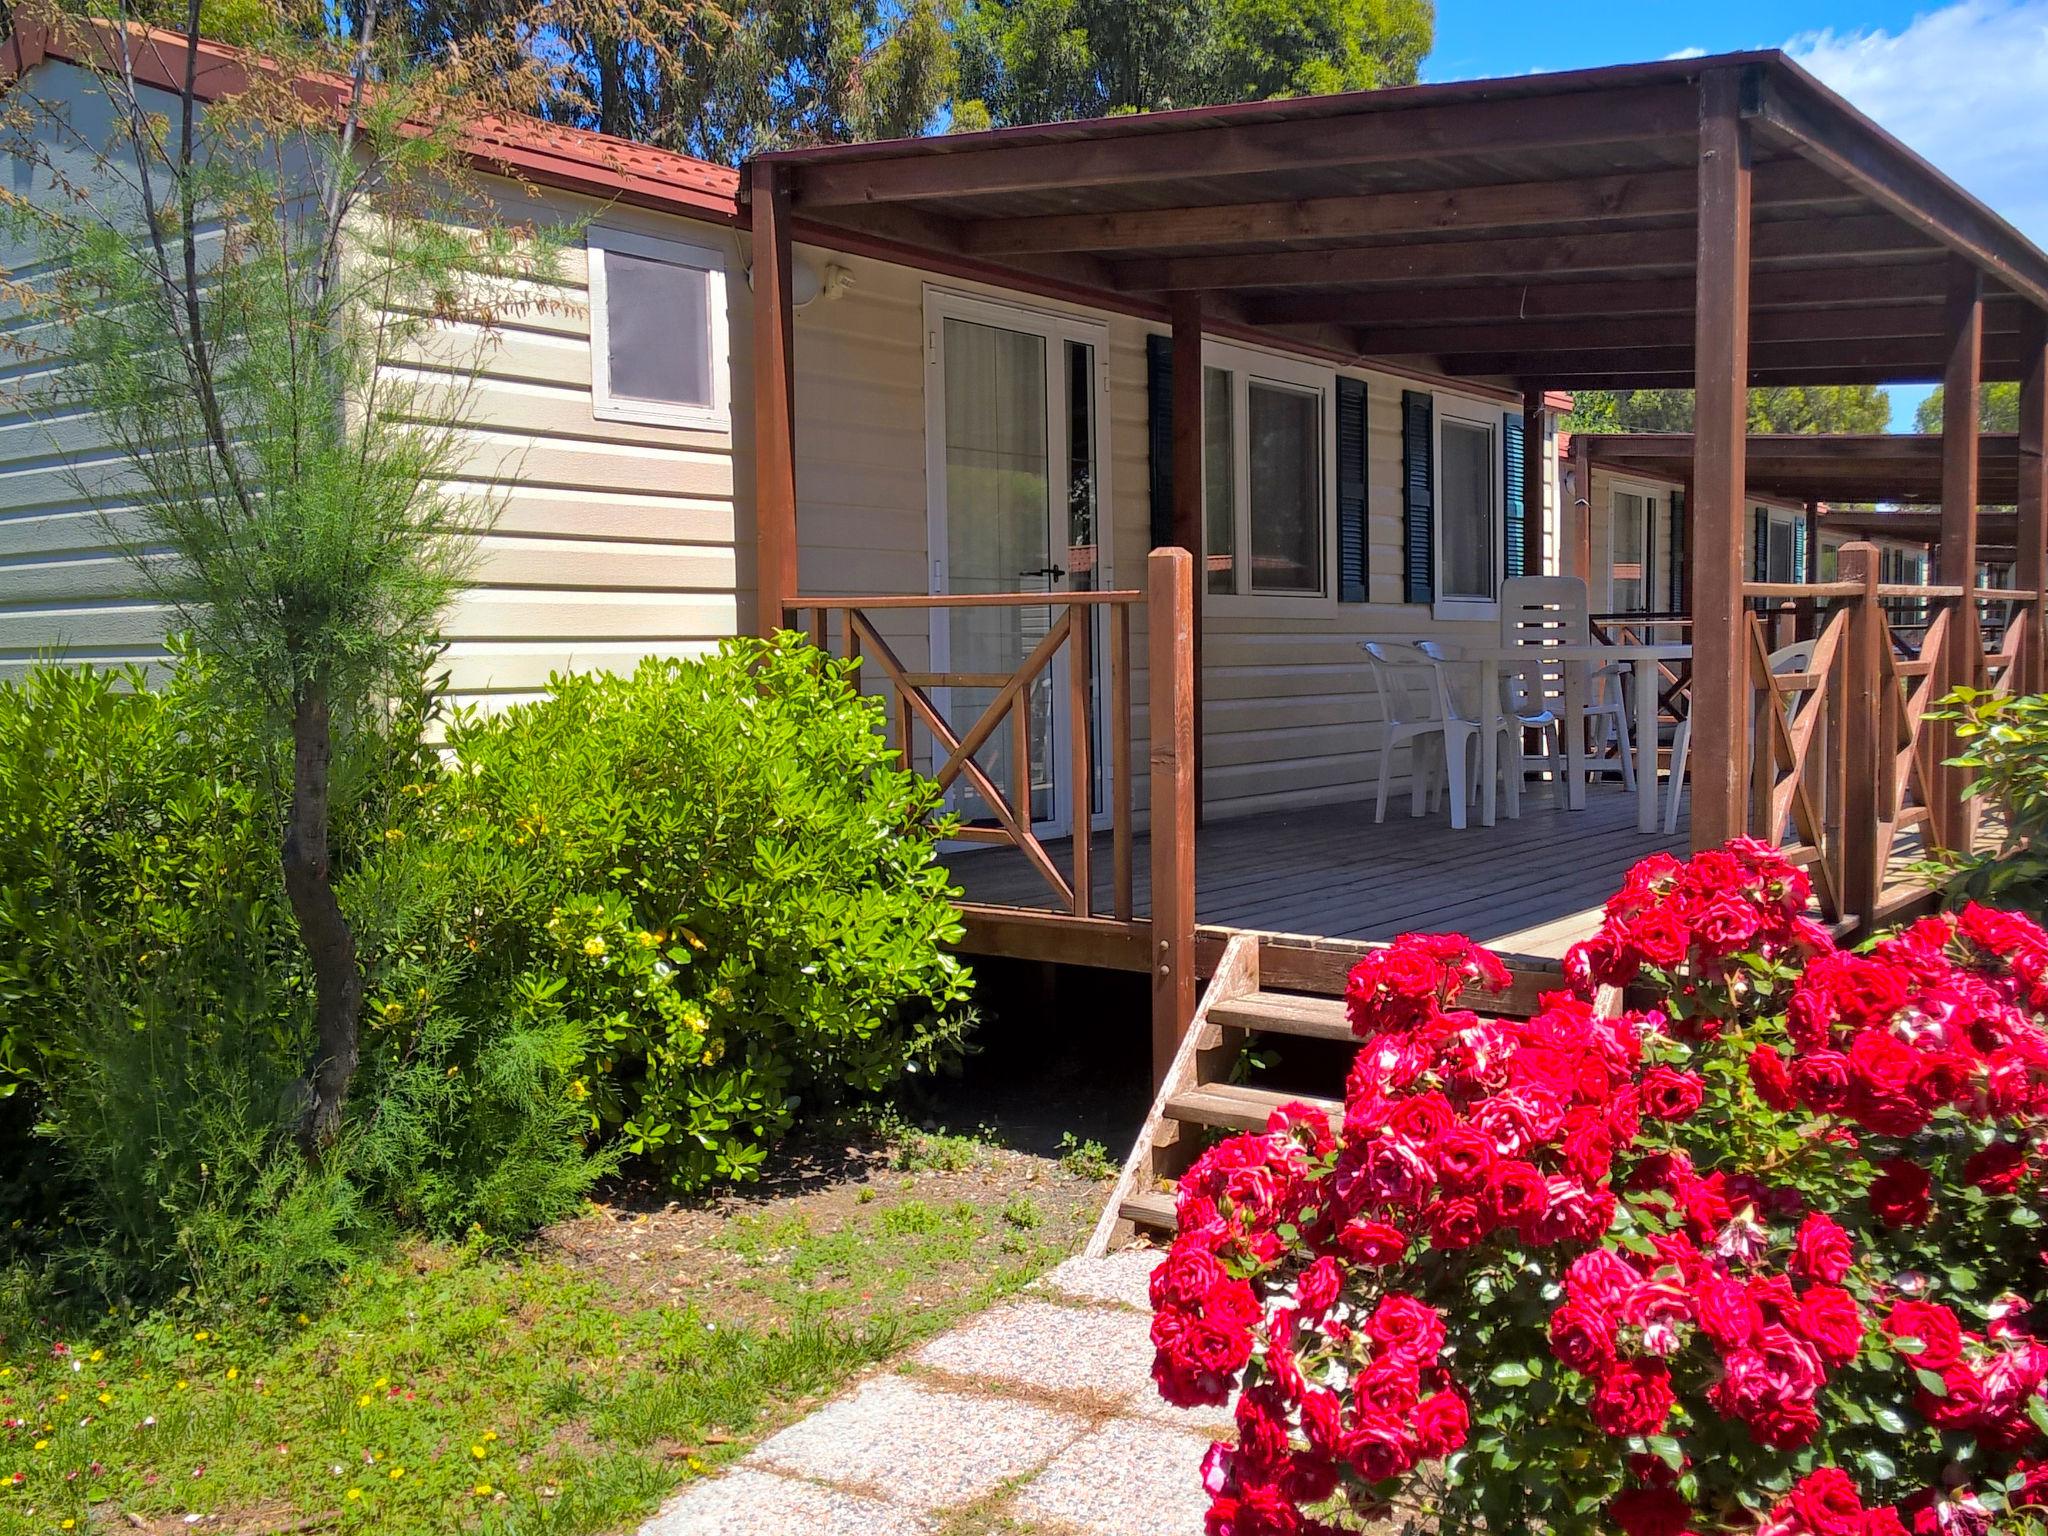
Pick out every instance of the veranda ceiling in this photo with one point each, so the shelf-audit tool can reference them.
(1540, 229)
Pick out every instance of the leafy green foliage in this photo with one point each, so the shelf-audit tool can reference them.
(1788, 408)
(1998, 409)
(1042, 60)
(733, 882)
(2005, 747)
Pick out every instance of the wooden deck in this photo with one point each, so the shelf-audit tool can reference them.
(1529, 887)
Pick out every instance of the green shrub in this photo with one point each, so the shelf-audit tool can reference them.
(151, 1006)
(2005, 748)
(731, 878)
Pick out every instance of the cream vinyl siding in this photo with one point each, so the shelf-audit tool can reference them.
(614, 540)
(1290, 717)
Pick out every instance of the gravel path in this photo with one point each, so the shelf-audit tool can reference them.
(1037, 1416)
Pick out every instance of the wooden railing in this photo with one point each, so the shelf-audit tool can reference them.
(1674, 678)
(924, 701)
(1844, 754)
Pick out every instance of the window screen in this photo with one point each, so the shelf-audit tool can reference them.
(1286, 488)
(658, 324)
(1466, 517)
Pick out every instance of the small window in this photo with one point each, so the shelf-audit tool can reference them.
(1286, 488)
(657, 331)
(1265, 480)
(1468, 512)
(1781, 555)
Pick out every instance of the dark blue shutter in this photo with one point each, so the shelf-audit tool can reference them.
(1760, 536)
(1353, 559)
(1677, 604)
(1512, 454)
(1418, 495)
(1159, 432)
(1799, 550)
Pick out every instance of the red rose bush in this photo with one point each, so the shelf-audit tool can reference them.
(1757, 1258)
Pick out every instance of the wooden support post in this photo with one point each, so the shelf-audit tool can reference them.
(1864, 744)
(1170, 663)
(774, 402)
(1578, 520)
(1189, 475)
(1961, 388)
(2031, 568)
(1535, 480)
(1720, 677)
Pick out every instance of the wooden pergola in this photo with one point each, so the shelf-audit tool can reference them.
(1711, 223)
(1869, 484)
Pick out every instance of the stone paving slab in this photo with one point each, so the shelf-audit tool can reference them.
(920, 1446)
(1091, 1351)
(1123, 1277)
(1128, 1478)
(746, 1502)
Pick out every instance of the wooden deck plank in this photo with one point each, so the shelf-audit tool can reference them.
(1531, 886)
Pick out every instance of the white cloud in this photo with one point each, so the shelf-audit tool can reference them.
(1694, 52)
(1965, 86)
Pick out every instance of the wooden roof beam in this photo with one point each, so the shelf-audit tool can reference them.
(1788, 184)
(1124, 153)
(1671, 250)
(1875, 323)
(1916, 282)
(1907, 359)
(1799, 112)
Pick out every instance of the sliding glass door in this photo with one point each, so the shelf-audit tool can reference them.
(1014, 411)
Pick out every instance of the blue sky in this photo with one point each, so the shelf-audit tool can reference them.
(1964, 83)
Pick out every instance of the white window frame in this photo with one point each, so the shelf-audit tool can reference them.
(1656, 558)
(605, 405)
(1244, 364)
(1477, 414)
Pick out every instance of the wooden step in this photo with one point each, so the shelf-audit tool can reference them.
(1148, 1210)
(1235, 1108)
(1282, 1013)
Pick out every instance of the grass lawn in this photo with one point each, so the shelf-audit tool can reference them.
(569, 1387)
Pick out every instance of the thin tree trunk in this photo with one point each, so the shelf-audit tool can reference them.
(309, 885)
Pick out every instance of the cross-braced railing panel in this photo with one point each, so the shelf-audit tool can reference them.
(965, 714)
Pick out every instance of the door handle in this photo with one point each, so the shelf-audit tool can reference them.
(1054, 572)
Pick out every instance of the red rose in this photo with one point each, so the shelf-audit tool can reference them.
(1319, 1286)
(1725, 925)
(1999, 1168)
(1935, 1327)
(1380, 1449)
(1441, 1422)
(1456, 1223)
(1649, 1512)
(1405, 1327)
(1770, 1077)
(1728, 1314)
(1899, 1194)
(1515, 1193)
(1373, 1242)
(1829, 1320)
(1825, 1501)
(1582, 1337)
(1670, 1094)
(1658, 938)
(1822, 1250)
(1187, 1274)
(1821, 1079)
(1462, 1156)
(1633, 1398)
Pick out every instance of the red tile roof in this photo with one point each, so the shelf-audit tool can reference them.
(546, 154)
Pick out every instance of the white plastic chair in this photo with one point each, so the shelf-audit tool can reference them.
(1537, 612)
(1418, 703)
(1787, 658)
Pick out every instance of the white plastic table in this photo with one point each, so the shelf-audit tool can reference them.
(1493, 659)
